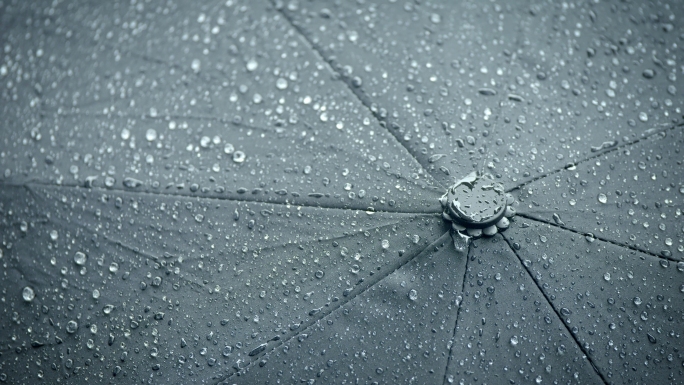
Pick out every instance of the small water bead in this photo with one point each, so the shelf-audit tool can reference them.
(107, 309)
(606, 276)
(113, 267)
(28, 294)
(637, 301)
(80, 258)
(196, 65)
(514, 340)
(205, 141)
(71, 327)
(96, 294)
(602, 198)
(228, 148)
(151, 135)
(54, 235)
(681, 288)
(385, 244)
(252, 65)
(239, 157)
(281, 84)
(413, 295)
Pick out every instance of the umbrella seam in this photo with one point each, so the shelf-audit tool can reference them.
(574, 337)
(458, 313)
(324, 313)
(621, 245)
(645, 136)
(214, 198)
(361, 97)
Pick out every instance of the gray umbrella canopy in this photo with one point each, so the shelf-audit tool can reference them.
(249, 192)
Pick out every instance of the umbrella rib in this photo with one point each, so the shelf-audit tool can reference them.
(548, 300)
(30, 183)
(337, 305)
(458, 312)
(622, 245)
(147, 116)
(645, 136)
(360, 96)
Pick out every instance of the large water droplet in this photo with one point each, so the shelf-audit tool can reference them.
(28, 294)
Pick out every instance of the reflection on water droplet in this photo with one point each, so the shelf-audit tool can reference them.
(413, 295)
(606, 276)
(637, 301)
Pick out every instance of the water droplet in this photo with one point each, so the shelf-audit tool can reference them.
(239, 157)
(385, 244)
(80, 258)
(96, 294)
(113, 267)
(606, 276)
(151, 135)
(602, 198)
(413, 295)
(252, 65)
(28, 294)
(196, 65)
(637, 301)
(54, 235)
(281, 84)
(514, 340)
(71, 327)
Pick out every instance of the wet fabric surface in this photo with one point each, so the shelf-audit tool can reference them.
(248, 192)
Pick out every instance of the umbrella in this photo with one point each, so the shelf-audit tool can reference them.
(284, 192)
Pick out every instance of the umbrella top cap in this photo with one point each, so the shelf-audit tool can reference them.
(477, 202)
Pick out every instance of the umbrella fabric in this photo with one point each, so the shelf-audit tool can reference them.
(245, 192)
